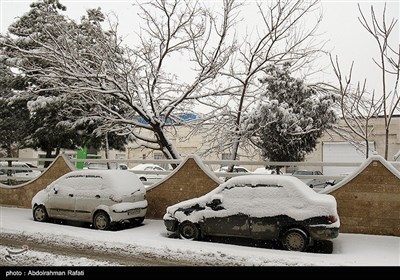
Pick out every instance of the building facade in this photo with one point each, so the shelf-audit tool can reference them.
(330, 148)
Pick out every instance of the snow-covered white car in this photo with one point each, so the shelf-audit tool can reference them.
(22, 170)
(236, 169)
(314, 180)
(263, 170)
(104, 166)
(100, 197)
(150, 177)
(274, 207)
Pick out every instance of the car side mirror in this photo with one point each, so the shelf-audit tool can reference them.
(216, 201)
(55, 189)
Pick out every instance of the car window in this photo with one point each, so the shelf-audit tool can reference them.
(22, 171)
(158, 168)
(123, 167)
(318, 173)
(240, 170)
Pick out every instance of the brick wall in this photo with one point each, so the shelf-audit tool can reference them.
(370, 202)
(187, 182)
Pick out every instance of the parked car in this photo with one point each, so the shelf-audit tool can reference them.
(100, 197)
(236, 169)
(311, 182)
(23, 169)
(103, 165)
(274, 207)
(149, 178)
(263, 170)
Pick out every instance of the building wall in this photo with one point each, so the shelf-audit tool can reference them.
(378, 136)
(194, 145)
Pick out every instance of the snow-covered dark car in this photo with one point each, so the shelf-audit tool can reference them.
(273, 207)
(100, 197)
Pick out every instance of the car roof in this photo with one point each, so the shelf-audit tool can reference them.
(112, 177)
(262, 179)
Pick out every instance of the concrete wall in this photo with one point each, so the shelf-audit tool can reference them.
(21, 195)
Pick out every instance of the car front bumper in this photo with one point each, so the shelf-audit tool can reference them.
(171, 225)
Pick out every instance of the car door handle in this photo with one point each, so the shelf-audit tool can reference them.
(71, 195)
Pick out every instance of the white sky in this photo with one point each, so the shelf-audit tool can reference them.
(151, 239)
(340, 26)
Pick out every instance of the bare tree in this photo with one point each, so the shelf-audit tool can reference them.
(357, 108)
(282, 38)
(388, 63)
(92, 64)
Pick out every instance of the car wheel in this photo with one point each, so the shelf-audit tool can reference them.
(295, 240)
(40, 213)
(101, 221)
(143, 179)
(137, 221)
(311, 186)
(189, 231)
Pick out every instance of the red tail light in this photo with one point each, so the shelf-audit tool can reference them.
(332, 219)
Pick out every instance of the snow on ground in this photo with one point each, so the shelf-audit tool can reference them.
(152, 239)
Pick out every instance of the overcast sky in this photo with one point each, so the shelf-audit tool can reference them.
(346, 37)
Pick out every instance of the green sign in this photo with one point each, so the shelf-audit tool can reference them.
(81, 155)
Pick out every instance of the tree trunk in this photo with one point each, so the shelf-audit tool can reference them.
(386, 142)
(106, 150)
(167, 147)
(48, 155)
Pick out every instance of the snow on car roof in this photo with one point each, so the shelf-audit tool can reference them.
(119, 180)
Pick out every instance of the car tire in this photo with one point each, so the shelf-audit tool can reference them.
(295, 239)
(311, 186)
(101, 221)
(143, 179)
(137, 221)
(189, 231)
(40, 213)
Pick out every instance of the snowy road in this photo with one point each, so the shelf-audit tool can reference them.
(66, 245)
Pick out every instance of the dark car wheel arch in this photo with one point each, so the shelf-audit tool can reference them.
(190, 231)
(104, 222)
(40, 213)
